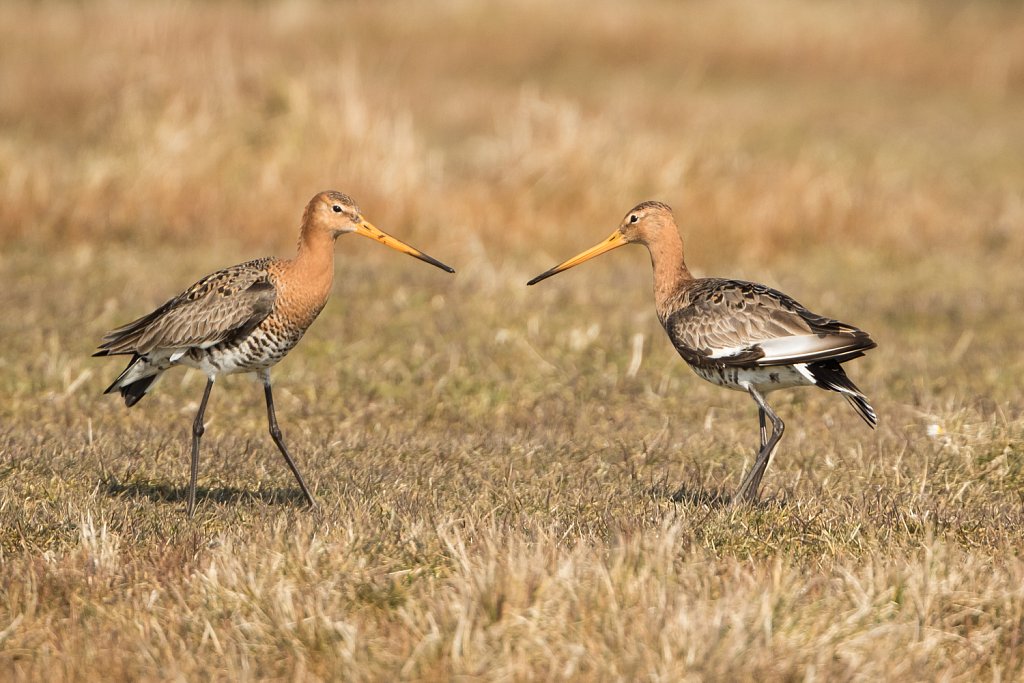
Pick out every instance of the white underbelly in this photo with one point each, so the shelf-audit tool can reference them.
(763, 379)
(252, 354)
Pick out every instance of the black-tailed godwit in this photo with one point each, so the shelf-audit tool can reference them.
(739, 335)
(244, 318)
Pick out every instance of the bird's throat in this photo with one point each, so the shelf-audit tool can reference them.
(670, 271)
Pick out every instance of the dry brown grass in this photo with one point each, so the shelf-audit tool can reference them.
(505, 494)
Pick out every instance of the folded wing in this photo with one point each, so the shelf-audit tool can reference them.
(229, 302)
(726, 323)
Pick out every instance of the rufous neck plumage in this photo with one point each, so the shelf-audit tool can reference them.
(670, 272)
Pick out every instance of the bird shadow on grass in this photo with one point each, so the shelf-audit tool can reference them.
(698, 494)
(166, 493)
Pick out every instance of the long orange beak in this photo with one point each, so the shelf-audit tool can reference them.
(367, 229)
(616, 240)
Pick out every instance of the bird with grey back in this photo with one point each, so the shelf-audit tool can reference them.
(736, 334)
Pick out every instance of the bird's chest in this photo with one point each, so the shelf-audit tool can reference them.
(258, 350)
(296, 307)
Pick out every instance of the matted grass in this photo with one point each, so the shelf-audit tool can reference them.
(514, 483)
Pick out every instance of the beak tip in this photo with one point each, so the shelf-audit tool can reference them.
(614, 241)
(543, 276)
(433, 261)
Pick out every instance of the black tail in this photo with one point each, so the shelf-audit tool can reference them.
(829, 374)
(133, 392)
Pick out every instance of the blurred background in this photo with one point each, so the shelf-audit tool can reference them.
(865, 157)
(513, 131)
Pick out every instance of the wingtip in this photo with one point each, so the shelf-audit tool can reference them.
(863, 408)
(869, 343)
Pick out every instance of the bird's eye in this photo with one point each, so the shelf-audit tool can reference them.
(337, 209)
(634, 218)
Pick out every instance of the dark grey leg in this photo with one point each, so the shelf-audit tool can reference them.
(275, 434)
(197, 434)
(748, 488)
(764, 430)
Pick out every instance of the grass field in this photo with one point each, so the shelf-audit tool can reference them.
(516, 484)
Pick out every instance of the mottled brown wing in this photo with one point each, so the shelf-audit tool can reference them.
(226, 303)
(736, 323)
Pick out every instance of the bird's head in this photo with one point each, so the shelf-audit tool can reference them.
(644, 223)
(335, 214)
